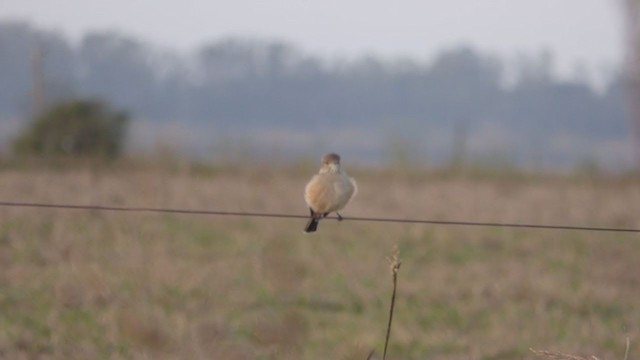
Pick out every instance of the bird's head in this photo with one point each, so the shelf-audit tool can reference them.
(330, 163)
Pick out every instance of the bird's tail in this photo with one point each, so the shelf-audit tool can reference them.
(312, 225)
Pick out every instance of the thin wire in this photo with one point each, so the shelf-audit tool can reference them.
(295, 216)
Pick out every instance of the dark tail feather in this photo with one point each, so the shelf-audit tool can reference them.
(312, 225)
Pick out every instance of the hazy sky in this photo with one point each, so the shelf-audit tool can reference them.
(576, 31)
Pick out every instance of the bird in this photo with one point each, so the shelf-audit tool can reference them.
(328, 191)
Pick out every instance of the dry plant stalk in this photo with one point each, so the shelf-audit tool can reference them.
(562, 356)
(626, 351)
(394, 265)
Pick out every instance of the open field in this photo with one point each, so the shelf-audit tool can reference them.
(92, 285)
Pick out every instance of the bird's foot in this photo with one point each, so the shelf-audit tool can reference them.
(339, 216)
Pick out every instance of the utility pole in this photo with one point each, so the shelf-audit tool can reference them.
(632, 63)
(37, 80)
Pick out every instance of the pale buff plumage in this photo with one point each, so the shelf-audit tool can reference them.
(328, 191)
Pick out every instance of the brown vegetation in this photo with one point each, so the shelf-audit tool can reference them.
(77, 284)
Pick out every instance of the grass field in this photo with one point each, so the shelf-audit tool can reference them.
(99, 285)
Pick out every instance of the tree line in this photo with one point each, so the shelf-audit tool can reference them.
(236, 83)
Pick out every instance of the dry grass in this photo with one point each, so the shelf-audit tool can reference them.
(108, 285)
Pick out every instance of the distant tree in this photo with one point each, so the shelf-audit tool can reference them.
(122, 70)
(80, 128)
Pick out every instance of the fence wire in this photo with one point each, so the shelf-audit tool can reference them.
(297, 216)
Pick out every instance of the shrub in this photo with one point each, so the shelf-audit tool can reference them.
(78, 128)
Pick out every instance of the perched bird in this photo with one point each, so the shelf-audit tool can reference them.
(328, 191)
